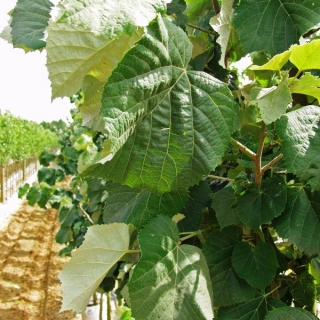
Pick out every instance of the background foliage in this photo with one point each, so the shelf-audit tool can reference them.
(20, 139)
(202, 189)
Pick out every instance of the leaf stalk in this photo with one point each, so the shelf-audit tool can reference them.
(243, 149)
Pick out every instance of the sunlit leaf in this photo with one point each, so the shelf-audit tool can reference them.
(276, 63)
(221, 23)
(171, 281)
(305, 57)
(73, 52)
(108, 17)
(308, 85)
(103, 246)
(272, 102)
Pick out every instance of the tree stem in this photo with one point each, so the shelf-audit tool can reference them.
(216, 7)
(192, 234)
(201, 29)
(219, 178)
(271, 163)
(257, 160)
(133, 251)
(86, 215)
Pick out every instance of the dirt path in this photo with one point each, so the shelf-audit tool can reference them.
(29, 267)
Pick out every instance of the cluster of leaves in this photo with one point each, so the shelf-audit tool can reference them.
(212, 187)
(21, 139)
(77, 199)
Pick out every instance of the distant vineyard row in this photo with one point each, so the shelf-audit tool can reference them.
(20, 139)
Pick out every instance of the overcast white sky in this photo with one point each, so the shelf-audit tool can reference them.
(24, 86)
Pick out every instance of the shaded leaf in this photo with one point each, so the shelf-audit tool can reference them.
(171, 281)
(138, 206)
(167, 126)
(29, 22)
(228, 287)
(255, 309)
(199, 198)
(257, 265)
(289, 313)
(224, 204)
(304, 290)
(300, 222)
(274, 25)
(272, 102)
(300, 132)
(103, 246)
(308, 85)
(305, 57)
(260, 205)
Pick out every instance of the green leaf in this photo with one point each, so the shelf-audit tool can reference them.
(274, 25)
(300, 222)
(308, 85)
(196, 8)
(255, 309)
(167, 125)
(260, 205)
(33, 195)
(23, 190)
(224, 204)
(305, 57)
(103, 246)
(276, 63)
(63, 235)
(228, 288)
(289, 313)
(257, 265)
(199, 198)
(138, 206)
(171, 281)
(314, 268)
(304, 290)
(68, 214)
(272, 102)
(47, 175)
(29, 21)
(46, 158)
(300, 132)
(221, 23)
